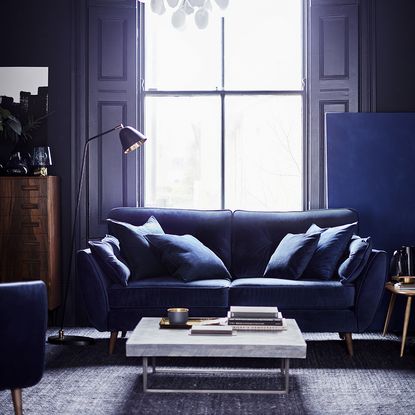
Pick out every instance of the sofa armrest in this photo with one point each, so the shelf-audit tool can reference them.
(94, 285)
(369, 288)
(23, 323)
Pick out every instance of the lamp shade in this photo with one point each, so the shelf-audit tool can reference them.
(41, 157)
(131, 139)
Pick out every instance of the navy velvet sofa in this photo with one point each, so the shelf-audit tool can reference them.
(244, 240)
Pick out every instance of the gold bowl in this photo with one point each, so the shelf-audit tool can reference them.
(178, 315)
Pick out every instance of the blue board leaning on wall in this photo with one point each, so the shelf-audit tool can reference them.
(370, 167)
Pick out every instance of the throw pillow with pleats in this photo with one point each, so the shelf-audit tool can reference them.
(358, 253)
(106, 258)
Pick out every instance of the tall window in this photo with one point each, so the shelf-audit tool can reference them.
(223, 108)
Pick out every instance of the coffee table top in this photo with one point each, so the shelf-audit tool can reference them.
(148, 340)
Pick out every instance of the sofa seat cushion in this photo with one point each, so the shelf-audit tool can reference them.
(291, 294)
(169, 292)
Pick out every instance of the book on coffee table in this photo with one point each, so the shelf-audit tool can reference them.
(260, 327)
(221, 330)
(253, 312)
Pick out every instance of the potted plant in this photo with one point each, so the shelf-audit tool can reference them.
(14, 135)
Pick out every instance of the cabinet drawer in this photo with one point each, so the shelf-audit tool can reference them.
(21, 268)
(23, 186)
(31, 244)
(20, 206)
(33, 225)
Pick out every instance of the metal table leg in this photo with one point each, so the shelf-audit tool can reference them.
(144, 374)
(285, 364)
(287, 375)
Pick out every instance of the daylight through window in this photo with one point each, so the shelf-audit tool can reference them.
(223, 107)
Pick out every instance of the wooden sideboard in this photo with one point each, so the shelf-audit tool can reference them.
(30, 232)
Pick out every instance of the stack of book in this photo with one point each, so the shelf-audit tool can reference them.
(256, 318)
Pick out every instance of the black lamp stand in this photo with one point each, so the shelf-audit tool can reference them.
(131, 139)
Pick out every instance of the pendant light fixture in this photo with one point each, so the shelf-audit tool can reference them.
(200, 9)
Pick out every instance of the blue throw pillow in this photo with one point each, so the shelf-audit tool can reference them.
(141, 259)
(330, 248)
(358, 254)
(115, 243)
(104, 254)
(292, 255)
(187, 258)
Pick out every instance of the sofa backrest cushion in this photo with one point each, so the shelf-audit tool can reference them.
(256, 235)
(211, 227)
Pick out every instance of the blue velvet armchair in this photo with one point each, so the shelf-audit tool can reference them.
(23, 322)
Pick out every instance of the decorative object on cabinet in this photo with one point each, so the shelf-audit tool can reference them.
(18, 164)
(130, 139)
(41, 160)
(30, 232)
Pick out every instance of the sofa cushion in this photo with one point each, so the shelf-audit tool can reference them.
(330, 248)
(168, 292)
(115, 243)
(104, 254)
(256, 235)
(186, 258)
(292, 255)
(358, 254)
(211, 227)
(141, 259)
(291, 294)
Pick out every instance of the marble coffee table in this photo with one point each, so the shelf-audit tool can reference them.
(149, 341)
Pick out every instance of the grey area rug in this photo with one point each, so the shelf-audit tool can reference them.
(87, 381)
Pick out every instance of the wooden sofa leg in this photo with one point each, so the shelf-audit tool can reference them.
(123, 333)
(349, 343)
(17, 401)
(113, 341)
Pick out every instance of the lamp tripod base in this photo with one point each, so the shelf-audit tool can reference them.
(63, 340)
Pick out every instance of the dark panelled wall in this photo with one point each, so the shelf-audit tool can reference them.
(39, 33)
(395, 55)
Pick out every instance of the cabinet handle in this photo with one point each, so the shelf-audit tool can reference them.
(29, 206)
(29, 187)
(30, 224)
(31, 243)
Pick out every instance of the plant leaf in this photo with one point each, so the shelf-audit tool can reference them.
(14, 124)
